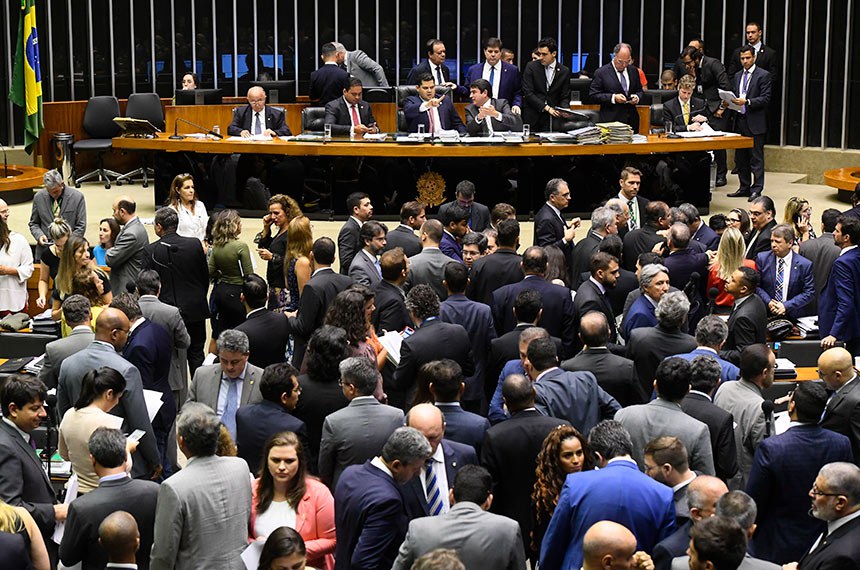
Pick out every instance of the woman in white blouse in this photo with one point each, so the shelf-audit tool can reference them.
(193, 217)
(16, 266)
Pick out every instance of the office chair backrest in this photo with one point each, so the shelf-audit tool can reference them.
(99, 116)
(313, 119)
(146, 106)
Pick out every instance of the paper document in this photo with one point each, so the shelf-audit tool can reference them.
(210, 359)
(784, 364)
(251, 138)
(391, 341)
(71, 495)
(153, 402)
(728, 96)
(780, 422)
(375, 136)
(251, 555)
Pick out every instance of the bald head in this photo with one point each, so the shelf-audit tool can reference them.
(124, 208)
(836, 367)
(119, 537)
(111, 326)
(256, 92)
(608, 544)
(427, 419)
(594, 329)
(703, 494)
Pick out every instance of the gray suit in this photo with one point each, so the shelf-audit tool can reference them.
(481, 539)
(60, 349)
(822, 252)
(132, 407)
(354, 434)
(73, 209)
(428, 267)
(125, 258)
(661, 417)
(207, 382)
(363, 271)
(201, 520)
(507, 122)
(169, 317)
(361, 66)
(743, 400)
(748, 563)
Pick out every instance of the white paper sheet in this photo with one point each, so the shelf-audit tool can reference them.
(71, 495)
(251, 555)
(728, 96)
(153, 402)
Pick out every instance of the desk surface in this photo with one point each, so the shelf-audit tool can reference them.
(654, 144)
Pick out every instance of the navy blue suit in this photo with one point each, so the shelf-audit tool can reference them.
(801, 283)
(707, 236)
(448, 116)
(462, 426)
(456, 456)
(256, 423)
(424, 67)
(728, 371)
(606, 84)
(450, 247)
(556, 318)
(150, 349)
(370, 519)
(549, 230)
(783, 470)
(682, 264)
(509, 83)
(752, 123)
(327, 84)
(837, 305)
(672, 546)
(575, 397)
(619, 492)
(476, 318)
(641, 314)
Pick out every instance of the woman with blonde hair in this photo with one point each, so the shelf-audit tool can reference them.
(730, 256)
(297, 263)
(229, 263)
(797, 215)
(193, 217)
(49, 264)
(273, 248)
(74, 259)
(18, 525)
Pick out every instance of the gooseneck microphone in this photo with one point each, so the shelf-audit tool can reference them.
(713, 292)
(177, 137)
(674, 135)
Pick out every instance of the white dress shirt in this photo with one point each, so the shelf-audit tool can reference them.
(193, 223)
(497, 77)
(438, 462)
(786, 274)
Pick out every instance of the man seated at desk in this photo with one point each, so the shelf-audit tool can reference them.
(679, 111)
(435, 113)
(485, 115)
(349, 115)
(257, 118)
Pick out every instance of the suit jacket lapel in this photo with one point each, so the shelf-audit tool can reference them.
(248, 386)
(28, 451)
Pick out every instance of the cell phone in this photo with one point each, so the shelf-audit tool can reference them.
(136, 435)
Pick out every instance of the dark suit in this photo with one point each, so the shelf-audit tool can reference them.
(451, 247)
(710, 78)
(81, 536)
(149, 349)
(403, 237)
(478, 321)
(457, 455)
(766, 58)
(319, 398)
(479, 215)
(842, 415)
(506, 122)
(14, 552)
(318, 293)
(674, 545)
(638, 203)
(638, 241)
(339, 116)
(682, 264)
(363, 270)
(509, 82)
(23, 482)
(370, 519)
(575, 397)
(462, 426)
(605, 84)
(268, 333)
(590, 298)
(390, 313)
(728, 371)
(721, 428)
(822, 252)
(424, 67)
(448, 117)
(759, 241)
(348, 243)
(837, 306)
(493, 271)
(243, 121)
(648, 346)
(838, 550)
(615, 374)
(328, 83)
(673, 112)
(256, 423)
(706, 236)
(549, 230)
(557, 316)
(505, 347)
(801, 287)
(580, 266)
(509, 453)
(783, 471)
(747, 325)
(752, 123)
(642, 313)
(537, 94)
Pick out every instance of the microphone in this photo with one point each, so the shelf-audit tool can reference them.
(676, 117)
(51, 400)
(712, 299)
(177, 136)
(767, 409)
(691, 289)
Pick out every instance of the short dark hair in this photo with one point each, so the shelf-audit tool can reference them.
(465, 188)
(107, 446)
(509, 231)
(829, 218)
(422, 301)
(148, 282)
(127, 303)
(454, 213)
(501, 211)
(475, 238)
(370, 229)
(433, 229)
(548, 43)
(534, 260)
(284, 541)
(328, 49)
(747, 49)
(76, 309)
(718, 222)
(649, 258)
(431, 45)
(765, 202)
(278, 378)
(392, 264)
(553, 187)
(354, 200)
(693, 53)
(705, 373)
(21, 390)
(610, 439)
(673, 379)
(754, 359)
(167, 218)
(199, 427)
(482, 85)
(613, 245)
(255, 291)
(493, 42)
(721, 541)
(810, 399)
(527, 305)
(446, 375)
(668, 449)
(361, 373)
(654, 211)
(410, 209)
(850, 227)
(424, 78)
(600, 261)
(457, 277)
(323, 250)
(542, 353)
(751, 277)
(473, 484)
(353, 81)
(518, 392)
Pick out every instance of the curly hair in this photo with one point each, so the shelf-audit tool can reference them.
(288, 204)
(549, 477)
(326, 348)
(347, 312)
(226, 227)
(84, 283)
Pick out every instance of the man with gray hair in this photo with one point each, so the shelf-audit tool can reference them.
(699, 230)
(621, 210)
(357, 432)
(78, 314)
(370, 518)
(361, 66)
(603, 223)
(653, 283)
(616, 86)
(711, 334)
(56, 200)
(201, 520)
(648, 346)
(682, 262)
(231, 383)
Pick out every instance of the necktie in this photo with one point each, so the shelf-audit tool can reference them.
(549, 74)
(378, 267)
(687, 113)
(780, 277)
(623, 81)
(492, 77)
(258, 129)
(439, 80)
(33, 442)
(228, 417)
(432, 122)
(55, 207)
(355, 119)
(743, 93)
(434, 495)
(633, 223)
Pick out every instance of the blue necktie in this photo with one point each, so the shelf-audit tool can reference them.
(492, 77)
(439, 80)
(744, 90)
(228, 417)
(780, 279)
(257, 127)
(434, 494)
(623, 81)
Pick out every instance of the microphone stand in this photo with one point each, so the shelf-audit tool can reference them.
(177, 137)
(674, 135)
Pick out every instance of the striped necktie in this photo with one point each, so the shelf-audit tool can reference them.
(780, 278)
(434, 494)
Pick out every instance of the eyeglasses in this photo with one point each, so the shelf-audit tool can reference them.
(817, 492)
(733, 220)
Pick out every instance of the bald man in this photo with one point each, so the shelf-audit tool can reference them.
(842, 413)
(112, 328)
(120, 539)
(608, 545)
(257, 118)
(421, 499)
(125, 258)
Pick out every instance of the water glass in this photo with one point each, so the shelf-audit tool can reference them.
(327, 132)
(526, 131)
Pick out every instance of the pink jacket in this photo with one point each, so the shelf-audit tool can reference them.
(314, 522)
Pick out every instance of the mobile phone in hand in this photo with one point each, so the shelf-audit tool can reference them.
(136, 435)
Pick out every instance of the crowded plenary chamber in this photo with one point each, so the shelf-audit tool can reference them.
(430, 285)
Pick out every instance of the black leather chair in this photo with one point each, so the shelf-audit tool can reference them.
(404, 91)
(802, 352)
(146, 106)
(656, 114)
(378, 94)
(98, 124)
(313, 119)
(19, 345)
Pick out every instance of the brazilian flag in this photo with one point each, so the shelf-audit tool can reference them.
(26, 91)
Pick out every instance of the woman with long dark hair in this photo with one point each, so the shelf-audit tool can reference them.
(284, 550)
(285, 495)
(273, 248)
(101, 390)
(193, 217)
(16, 266)
(108, 231)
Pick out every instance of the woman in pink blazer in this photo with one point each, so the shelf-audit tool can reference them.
(284, 495)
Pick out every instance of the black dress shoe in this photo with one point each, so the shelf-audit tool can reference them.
(739, 194)
(720, 182)
(753, 196)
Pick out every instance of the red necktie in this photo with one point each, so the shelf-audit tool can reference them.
(355, 119)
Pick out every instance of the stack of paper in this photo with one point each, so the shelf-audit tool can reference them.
(807, 326)
(44, 323)
(587, 135)
(617, 132)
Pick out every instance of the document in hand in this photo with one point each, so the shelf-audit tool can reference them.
(728, 97)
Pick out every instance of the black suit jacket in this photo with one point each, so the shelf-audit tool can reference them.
(606, 84)
(242, 118)
(673, 113)
(536, 95)
(479, 215)
(839, 550)
(313, 304)
(648, 346)
(491, 272)
(721, 428)
(710, 78)
(457, 455)
(672, 546)
(318, 400)
(747, 325)
(327, 84)
(150, 349)
(390, 313)
(766, 58)
(589, 298)
(23, 482)
(348, 243)
(268, 333)
(638, 241)
(581, 258)
(842, 415)
(424, 67)
(549, 230)
(184, 274)
(339, 116)
(682, 264)
(761, 241)
(403, 237)
(615, 374)
(641, 202)
(705, 235)
(257, 422)
(758, 100)
(508, 121)
(81, 536)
